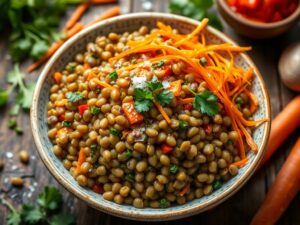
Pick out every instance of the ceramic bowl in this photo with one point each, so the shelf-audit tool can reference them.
(130, 23)
(254, 29)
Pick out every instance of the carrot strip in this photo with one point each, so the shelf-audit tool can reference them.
(81, 159)
(115, 11)
(77, 14)
(186, 101)
(102, 84)
(282, 192)
(287, 120)
(184, 190)
(240, 163)
(163, 112)
(253, 101)
(56, 45)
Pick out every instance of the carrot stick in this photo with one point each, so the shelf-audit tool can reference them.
(184, 190)
(81, 159)
(79, 11)
(282, 126)
(282, 191)
(163, 112)
(102, 83)
(186, 101)
(115, 11)
(56, 45)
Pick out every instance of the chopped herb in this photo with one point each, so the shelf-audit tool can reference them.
(93, 147)
(173, 168)
(94, 110)
(113, 131)
(12, 123)
(164, 97)
(74, 96)
(19, 130)
(154, 85)
(206, 102)
(183, 125)
(128, 153)
(217, 184)
(159, 64)
(203, 61)
(130, 177)
(163, 203)
(66, 123)
(229, 142)
(143, 99)
(113, 76)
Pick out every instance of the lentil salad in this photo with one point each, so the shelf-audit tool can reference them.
(137, 123)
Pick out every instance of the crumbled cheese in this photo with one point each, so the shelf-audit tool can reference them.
(139, 81)
(147, 64)
(166, 84)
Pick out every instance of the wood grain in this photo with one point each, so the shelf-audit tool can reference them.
(238, 210)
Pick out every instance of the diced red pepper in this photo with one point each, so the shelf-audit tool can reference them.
(166, 148)
(175, 87)
(61, 117)
(188, 106)
(165, 38)
(208, 129)
(132, 115)
(98, 188)
(168, 71)
(82, 108)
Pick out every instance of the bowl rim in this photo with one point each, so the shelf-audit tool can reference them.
(254, 24)
(127, 214)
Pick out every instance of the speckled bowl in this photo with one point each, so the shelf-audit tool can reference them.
(121, 24)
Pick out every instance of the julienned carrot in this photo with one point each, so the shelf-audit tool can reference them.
(163, 112)
(56, 45)
(240, 163)
(282, 126)
(81, 159)
(282, 191)
(107, 14)
(186, 101)
(102, 84)
(184, 190)
(79, 11)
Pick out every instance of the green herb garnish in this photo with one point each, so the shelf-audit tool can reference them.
(163, 203)
(196, 9)
(66, 123)
(173, 168)
(130, 177)
(128, 153)
(159, 64)
(143, 100)
(206, 102)
(217, 184)
(154, 85)
(94, 110)
(45, 211)
(113, 76)
(113, 131)
(74, 96)
(164, 97)
(12, 123)
(203, 61)
(183, 125)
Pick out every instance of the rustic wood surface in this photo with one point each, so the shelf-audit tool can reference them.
(238, 210)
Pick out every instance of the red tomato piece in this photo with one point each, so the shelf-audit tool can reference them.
(61, 117)
(82, 108)
(166, 148)
(208, 129)
(98, 188)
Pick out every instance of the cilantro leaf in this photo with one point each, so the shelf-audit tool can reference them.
(142, 105)
(65, 219)
(74, 96)
(13, 218)
(164, 97)
(94, 110)
(142, 94)
(31, 214)
(154, 85)
(113, 76)
(207, 103)
(50, 198)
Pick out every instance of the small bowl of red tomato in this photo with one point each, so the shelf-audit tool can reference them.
(260, 18)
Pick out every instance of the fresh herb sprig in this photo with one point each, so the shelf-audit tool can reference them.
(206, 102)
(196, 9)
(45, 211)
(143, 98)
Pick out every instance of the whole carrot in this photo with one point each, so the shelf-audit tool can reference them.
(79, 11)
(282, 191)
(282, 126)
(107, 14)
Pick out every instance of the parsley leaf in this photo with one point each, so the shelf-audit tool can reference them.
(113, 76)
(154, 85)
(142, 105)
(94, 110)
(31, 214)
(173, 169)
(74, 96)
(60, 219)
(50, 199)
(206, 102)
(164, 97)
(142, 94)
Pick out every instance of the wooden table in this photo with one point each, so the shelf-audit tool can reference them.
(238, 210)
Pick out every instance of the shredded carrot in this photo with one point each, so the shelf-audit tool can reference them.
(186, 101)
(253, 101)
(77, 14)
(81, 159)
(163, 112)
(184, 190)
(115, 11)
(91, 76)
(240, 163)
(102, 84)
